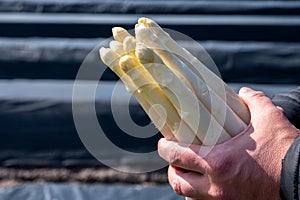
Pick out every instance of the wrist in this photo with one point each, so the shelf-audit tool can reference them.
(289, 180)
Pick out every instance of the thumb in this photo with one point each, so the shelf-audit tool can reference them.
(257, 102)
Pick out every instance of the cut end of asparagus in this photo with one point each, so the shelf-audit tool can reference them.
(119, 33)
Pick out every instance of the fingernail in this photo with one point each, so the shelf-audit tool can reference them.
(244, 90)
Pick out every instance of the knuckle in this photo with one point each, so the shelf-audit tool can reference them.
(180, 189)
(176, 187)
(174, 157)
(218, 193)
(160, 145)
(271, 111)
(221, 165)
(179, 186)
(256, 94)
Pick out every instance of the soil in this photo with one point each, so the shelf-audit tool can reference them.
(16, 176)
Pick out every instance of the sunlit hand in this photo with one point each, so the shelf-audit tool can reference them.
(247, 166)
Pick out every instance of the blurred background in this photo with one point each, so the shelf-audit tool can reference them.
(42, 45)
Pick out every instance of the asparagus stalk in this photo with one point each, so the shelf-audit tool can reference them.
(154, 94)
(234, 102)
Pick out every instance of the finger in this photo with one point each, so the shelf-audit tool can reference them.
(183, 155)
(257, 101)
(189, 184)
(255, 98)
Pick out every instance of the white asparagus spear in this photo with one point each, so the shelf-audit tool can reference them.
(234, 102)
(155, 96)
(119, 33)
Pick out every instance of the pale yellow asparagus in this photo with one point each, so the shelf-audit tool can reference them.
(111, 59)
(234, 102)
(149, 88)
(223, 113)
(185, 102)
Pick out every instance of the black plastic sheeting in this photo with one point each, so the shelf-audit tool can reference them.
(60, 58)
(37, 128)
(153, 7)
(88, 192)
(36, 122)
(200, 27)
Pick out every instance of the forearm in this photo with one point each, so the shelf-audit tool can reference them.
(290, 179)
(290, 102)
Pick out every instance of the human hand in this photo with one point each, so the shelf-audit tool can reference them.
(247, 166)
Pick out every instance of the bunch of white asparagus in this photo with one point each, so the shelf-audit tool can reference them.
(172, 90)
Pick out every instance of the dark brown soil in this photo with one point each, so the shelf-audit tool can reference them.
(16, 176)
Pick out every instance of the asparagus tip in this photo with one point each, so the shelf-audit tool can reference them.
(142, 33)
(108, 56)
(117, 47)
(129, 44)
(128, 62)
(119, 33)
(142, 20)
(103, 51)
(146, 22)
(144, 54)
